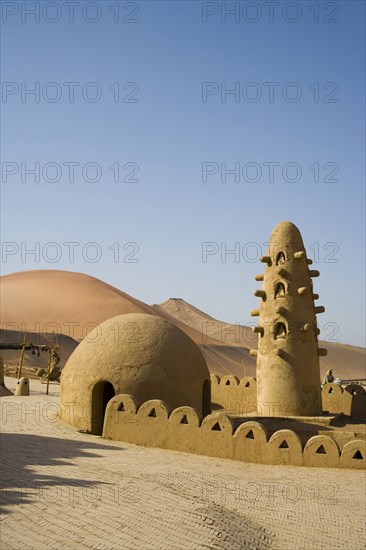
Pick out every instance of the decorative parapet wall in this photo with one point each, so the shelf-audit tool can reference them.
(153, 425)
(234, 395)
(240, 396)
(350, 400)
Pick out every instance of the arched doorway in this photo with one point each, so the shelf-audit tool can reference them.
(102, 393)
(206, 398)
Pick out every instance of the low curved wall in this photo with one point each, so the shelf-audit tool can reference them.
(154, 425)
(239, 396)
(234, 395)
(350, 400)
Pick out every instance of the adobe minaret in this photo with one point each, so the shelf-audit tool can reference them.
(288, 374)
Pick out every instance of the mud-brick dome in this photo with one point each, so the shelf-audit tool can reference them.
(137, 354)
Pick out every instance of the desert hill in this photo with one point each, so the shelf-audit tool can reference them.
(230, 353)
(72, 304)
(234, 335)
(348, 362)
(68, 303)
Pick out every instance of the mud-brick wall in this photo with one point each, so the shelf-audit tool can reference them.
(234, 395)
(350, 401)
(154, 425)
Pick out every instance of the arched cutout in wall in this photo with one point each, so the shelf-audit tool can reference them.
(280, 290)
(102, 393)
(280, 332)
(280, 258)
(206, 398)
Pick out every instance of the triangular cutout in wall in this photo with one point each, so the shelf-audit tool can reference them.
(216, 427)
(358, 455)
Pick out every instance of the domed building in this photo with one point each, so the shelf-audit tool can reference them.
(137, 354)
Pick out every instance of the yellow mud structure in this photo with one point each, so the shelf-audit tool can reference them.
(138, 378)
(239, 397)
(22, 387)
(288, 374)
(139, 354)
(154, 424)
(234, 395)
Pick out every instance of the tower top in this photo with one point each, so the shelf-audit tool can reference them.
(287, 233)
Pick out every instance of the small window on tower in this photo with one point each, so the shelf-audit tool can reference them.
(280, 259)
(280, 290)
(280, 331)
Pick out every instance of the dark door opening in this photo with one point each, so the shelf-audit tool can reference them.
(206, 398)
(101, 395)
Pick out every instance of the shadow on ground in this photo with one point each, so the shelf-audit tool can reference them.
(21, 484)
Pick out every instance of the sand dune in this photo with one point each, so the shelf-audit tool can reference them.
(348, 362)
(227, 333)
(68, 303)
(72, 304)
(223, 360)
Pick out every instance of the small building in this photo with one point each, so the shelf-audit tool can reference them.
(137, 354)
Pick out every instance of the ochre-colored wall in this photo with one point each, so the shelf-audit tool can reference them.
(240, 396)
(234, 395)
(154, 425)
(350, 400)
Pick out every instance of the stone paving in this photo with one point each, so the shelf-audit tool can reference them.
(65, 490)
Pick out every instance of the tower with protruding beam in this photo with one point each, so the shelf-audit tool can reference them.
(288, 373)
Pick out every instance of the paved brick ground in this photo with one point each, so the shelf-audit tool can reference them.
(66, 490)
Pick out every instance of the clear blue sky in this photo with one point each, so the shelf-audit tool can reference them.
(171, 130)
